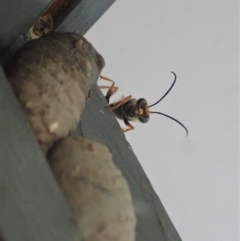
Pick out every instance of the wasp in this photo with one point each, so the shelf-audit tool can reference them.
(132, 109)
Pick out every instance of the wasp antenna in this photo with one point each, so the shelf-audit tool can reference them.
(167, 91)
(172, 119)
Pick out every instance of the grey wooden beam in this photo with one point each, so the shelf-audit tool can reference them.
(17, 17)
(83, 17)
(98, 123)
(31, 205)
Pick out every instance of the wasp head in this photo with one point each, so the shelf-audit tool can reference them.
(143, 110)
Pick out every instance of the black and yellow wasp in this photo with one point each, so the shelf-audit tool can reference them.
(132, 109)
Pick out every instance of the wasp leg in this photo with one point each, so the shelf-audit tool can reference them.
(125, 100)
(110, 92)
(130, 127)
(112, 89)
